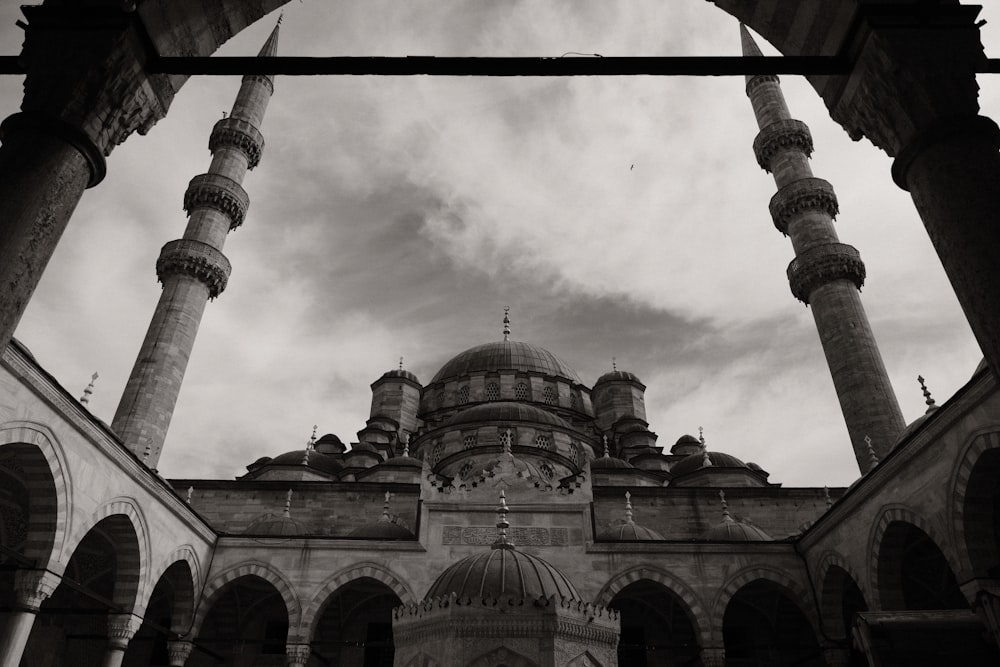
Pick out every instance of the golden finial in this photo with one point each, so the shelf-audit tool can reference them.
(827, 498)
(502, 524)
(701, 435)
(927, 395)
(628, 507)
(506, 322)
(89, 390)
(401, 363)
(288, 504)
(725, 506)
(385, 507)
(146, 452)
(312, 438)
(871, 451)
(607, 451)
(189, 494)
(614, 364)
(281, 16)
(406, 444)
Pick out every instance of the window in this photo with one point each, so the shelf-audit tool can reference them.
(547, 471)
(506, 439)
(542, 441)
(469, 441)
(492, 392)
(549, 395)
(521, 391)
(436, 453)
(463, 394)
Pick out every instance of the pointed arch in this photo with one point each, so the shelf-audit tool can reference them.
(370, 570)
(795, 591)
(971, 512)
(51, 518)
(898, 514)
(689, 600)
(250, 568)
(834, 578)
(184, 586)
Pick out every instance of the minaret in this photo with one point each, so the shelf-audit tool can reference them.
(825, 274)
(193, 268)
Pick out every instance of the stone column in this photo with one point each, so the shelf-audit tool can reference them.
(713, 657)
(913, 93)
(297, 655)
(31, 589)
(987, 607)
(121, 629)
(84, 93)
(178, 652)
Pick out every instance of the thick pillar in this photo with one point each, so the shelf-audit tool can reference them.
(913, 93)
(178, 652)
(297, 655)
(121, 629)
(825, 274)
(193, 270)
(31, 589)
(84, 93)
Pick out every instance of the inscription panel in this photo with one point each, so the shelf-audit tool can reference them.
(528, 536)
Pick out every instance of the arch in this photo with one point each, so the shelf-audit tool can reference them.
(834, 580)
(251, 568)
(690, 601)
(897, 514)
(185, 582)
(184, 554)
(787, 585)
(50, 524)
(971, 490)
(336, 581)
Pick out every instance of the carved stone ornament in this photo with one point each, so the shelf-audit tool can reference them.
(823, 264)
(121, 629)
(239, 134)
(218, 192)
(33, 587)
(782, 135)
(196, 259)
(178, 652)
(806, 194)
(909, 76)
(713, 657)
(297, 655)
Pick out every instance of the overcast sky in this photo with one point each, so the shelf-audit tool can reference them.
(618, 217)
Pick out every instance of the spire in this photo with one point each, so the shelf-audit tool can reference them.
(385, 509)
(270, 48)
(931, 406)
(401, 363)
(502, 525)
(827, 498)
(872, 456)
(506, 323)
(725, 507)
(85, 399)
(750, 48)
(607, 451)
(614, 364)
(628, 507)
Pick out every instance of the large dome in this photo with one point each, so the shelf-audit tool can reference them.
(503, 572)
(506, 355)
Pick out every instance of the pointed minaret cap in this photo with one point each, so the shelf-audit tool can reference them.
(750, 48)
(270, 48)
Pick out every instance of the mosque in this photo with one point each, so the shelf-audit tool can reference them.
(503, 512)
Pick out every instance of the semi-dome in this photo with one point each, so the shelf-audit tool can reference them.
(506, 355)
(507, 411)
(503, 571)
(314, 459)
(696, 461)
(731, 530)
(630, 531)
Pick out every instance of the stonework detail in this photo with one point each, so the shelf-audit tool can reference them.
(121, 629)
(783, 135)
(196, 259)
(805, 194)
(520, 535)
(239, 134)
(218, 192)
(178, 652)
(33, 587)
(822, 264)
(758, 81)
(297, 655)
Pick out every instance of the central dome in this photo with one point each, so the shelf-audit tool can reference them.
(506, 355)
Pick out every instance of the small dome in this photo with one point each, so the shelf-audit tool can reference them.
(630, 531)
(317, 460)
(731, 530)
(696, 461)
(507, 411)
(400, 373)
(383, 529)
(403, 462)
(503, 571)
(610, 463)
(506, 355)
(618, 376)
(275, 525)
(686, 445)
(330, 444)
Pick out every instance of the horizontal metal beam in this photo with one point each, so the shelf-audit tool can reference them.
(467, 66)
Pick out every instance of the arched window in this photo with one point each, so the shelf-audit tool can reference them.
(463, 394)
(542, 441)
(492, 392)
(436, 452)
(469, 441)
(506, 438)
(549, 395)
(521, 391)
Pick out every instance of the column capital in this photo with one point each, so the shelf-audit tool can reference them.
(297, 655)
(86, 67)
(178, 652)
(33, 587)
(713, 657)
(911, 71)
(121, 629)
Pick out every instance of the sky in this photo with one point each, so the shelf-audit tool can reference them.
(618, 217)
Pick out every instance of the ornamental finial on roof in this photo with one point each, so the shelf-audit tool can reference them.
(502, 524)
(89, 390)
(701, 435)
(189, 494)
(506, 322)
(312, 438)
(607, 451)
(614, 364)
(827, 498)
(401, 363)
(871, 451)
(628, 507)
(288, 504)
(280, 17)
(406, 444)
(725, 506)
(927, 395)
(385, 508)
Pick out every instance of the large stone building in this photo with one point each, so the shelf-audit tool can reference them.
(505, 511)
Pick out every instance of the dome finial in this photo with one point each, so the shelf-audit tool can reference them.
(312, 438)
(725, 506)
(89, 390)
(931, 407)
(189, 494)
(628, 507)
(502, 524)
(827, 498)
(506, 322)
(701, 435)
(607, 451)
(401, 363)
(385, 508)
(871, 451)
(614, 364)
(288, 504)
(406, 444)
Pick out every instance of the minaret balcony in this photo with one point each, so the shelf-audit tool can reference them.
(806, 194)
(197, 260)
(218, 192)
(824, 264)
(783, 135)
(239, 134)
